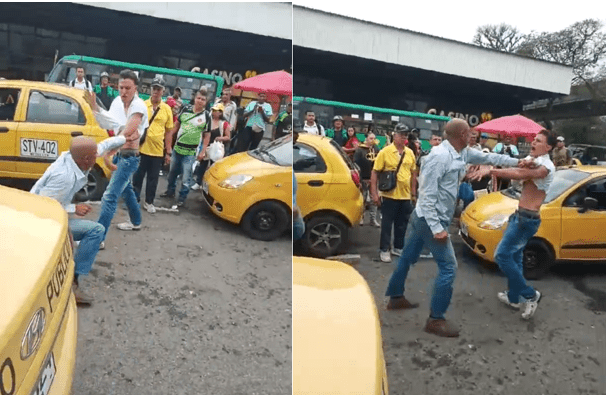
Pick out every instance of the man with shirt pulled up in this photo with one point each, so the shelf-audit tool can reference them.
(442, 171)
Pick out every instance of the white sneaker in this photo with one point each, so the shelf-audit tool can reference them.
(362, 221)
(375, 223)
(128, 226)
(426, 256)
(385, 257)
(504, 298)
(396, 252)
(149, 207)
(102, 246)
(530, 306)
(195, 187)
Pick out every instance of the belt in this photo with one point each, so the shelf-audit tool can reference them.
(188, 146)
(530, 214)
(127, 153)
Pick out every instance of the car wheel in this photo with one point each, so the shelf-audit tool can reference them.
(265, 221)
(324, 236)
(95, 187)
(537, 259)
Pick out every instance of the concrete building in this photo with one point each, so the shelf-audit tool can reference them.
(344, 59)
(233, 40)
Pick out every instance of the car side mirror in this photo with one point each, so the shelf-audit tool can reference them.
(588, 204)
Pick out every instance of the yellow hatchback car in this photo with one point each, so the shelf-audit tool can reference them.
(573, 221)
(328, 195)
(254, 189)
(337, 343)
(38, 320)
(37, 123)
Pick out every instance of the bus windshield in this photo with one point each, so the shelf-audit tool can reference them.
(381, 121)
(189, 82)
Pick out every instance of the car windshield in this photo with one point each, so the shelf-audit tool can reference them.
(277, 152)
(562, 181)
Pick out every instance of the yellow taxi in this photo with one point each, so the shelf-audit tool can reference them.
(38, 324)
(37, 123)
(253, 189)
(573, 220)
(337, 343)
(328, 195)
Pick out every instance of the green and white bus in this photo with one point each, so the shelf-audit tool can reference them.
(189, 82)
(362, 117)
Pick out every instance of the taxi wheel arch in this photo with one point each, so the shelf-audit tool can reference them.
(320, 221)
(266, 220)
(538, 257)
(95, 186)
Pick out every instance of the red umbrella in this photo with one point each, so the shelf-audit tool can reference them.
(516, 125)
(278, 82)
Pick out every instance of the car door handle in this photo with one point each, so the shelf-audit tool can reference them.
(315, 183)
(3, 129)
(77, 133)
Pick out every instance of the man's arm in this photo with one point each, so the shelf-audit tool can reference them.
(249, 109)
(427, 202)
(233, 118)
(521, 173)
(168, 137)
(481, 158)
(56, 187)
(131, 130)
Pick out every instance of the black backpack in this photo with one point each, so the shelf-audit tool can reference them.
(88, 84)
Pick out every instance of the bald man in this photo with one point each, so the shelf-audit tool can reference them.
(442, 171)
(61, 181)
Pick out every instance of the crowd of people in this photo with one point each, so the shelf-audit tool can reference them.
(148, 135)
(418, 192)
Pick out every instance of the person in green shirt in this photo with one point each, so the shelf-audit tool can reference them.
(104, 91)
(338, 133)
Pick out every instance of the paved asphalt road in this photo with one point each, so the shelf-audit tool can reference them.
(187, 305)
(561, 350)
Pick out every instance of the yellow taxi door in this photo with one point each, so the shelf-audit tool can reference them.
(51, 121)
(584, 234)
(313, 177)
(9, 121)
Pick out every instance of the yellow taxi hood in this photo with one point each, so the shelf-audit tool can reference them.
(490, 205)
(32, 231)
(242, 163)
(337, 347)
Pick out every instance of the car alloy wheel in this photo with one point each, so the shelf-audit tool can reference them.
(325, 235)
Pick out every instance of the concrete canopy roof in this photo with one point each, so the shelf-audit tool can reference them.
(344, 35)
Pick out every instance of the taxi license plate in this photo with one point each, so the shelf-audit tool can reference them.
(205, 187)
(47, 376)
(39, 148)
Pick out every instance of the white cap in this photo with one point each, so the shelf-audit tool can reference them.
(561, 138)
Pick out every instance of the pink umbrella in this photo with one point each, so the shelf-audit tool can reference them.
(278, 82)
(515, 125)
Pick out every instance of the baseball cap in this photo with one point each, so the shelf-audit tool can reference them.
(104, 74)
(401, 128)
(337, 118)
(218, 107)
(159, 82)
(560, 138)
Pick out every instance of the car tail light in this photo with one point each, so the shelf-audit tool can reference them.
(355, 176)
(110, 132)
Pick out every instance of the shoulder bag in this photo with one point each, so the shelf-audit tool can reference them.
(389, 179)
(144, 135)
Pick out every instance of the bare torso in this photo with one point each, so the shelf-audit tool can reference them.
(531, 197)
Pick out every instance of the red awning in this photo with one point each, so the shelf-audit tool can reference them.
(278, 82)
(516, 125)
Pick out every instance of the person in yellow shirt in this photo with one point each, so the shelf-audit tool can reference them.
(396, 205)
(152, 150)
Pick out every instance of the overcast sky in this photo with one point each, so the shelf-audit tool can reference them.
(458, 20)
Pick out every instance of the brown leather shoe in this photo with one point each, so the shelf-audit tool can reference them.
(441, 328)
(400, 303)
(81, 297)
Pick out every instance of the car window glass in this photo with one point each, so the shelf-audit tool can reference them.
(597, 190)
(51, 108)
(307, 160)
(9, 97)
(562, 181)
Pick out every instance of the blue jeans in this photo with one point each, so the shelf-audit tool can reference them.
(120, 185)
(180, 163)
(394, 214)
(90, 234)
(298, 228)
(510, 253)
(419, 234)
(466, 194)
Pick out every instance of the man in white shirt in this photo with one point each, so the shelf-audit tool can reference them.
(61, 181)
(130, 113)
(80, 81)
(310, 125)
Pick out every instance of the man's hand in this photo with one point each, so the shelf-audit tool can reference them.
(83, 209)
(441, 236)
(167, 159)
(526, 163)
(478, 174)
(201, 156)
(376, 199)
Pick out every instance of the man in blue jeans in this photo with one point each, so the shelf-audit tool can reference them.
(442, 171)
(130, 112)
(61, 181)
(524, 223)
